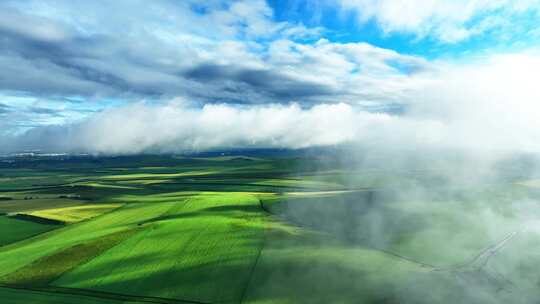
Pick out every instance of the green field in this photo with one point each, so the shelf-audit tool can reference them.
(14, 229)
(162, 229)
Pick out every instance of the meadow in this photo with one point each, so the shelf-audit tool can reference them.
(267, 229)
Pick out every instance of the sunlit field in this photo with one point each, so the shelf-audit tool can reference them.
(254, 230)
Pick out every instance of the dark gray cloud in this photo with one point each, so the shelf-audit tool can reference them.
(75, 66)
(168, 49)
(45, 111)
(4, 108)
(268, 82)
(46, 57)
(71, 65)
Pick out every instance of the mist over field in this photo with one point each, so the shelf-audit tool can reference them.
(468, 222)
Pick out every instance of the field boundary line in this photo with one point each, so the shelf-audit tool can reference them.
(256, 262)
(102, 294)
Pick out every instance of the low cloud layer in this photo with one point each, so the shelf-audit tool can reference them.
(490, 105)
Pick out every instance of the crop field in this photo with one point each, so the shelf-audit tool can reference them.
(164, 229)
(13, 229)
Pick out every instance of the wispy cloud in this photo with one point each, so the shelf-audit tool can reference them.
(445, 20)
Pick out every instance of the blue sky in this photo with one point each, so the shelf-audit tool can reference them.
(66, 63)
(516, 30)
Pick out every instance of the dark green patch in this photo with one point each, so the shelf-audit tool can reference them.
(37, 219)
(45, 270)
(13, 230)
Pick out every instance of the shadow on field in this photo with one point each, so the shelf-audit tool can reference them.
(331, 263)
(217, 273)
(293, 269)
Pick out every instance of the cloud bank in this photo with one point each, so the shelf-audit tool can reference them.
(490, 105)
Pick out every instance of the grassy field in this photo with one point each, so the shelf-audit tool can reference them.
(162, 229)
(14, 229)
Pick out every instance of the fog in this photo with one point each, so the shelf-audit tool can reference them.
(449, 225)
(449, 187)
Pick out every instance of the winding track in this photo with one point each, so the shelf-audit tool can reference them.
(482, 258)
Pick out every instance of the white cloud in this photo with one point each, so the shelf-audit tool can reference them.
(490, 105)
(361, 73)
(446, 20)
(177, 127)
